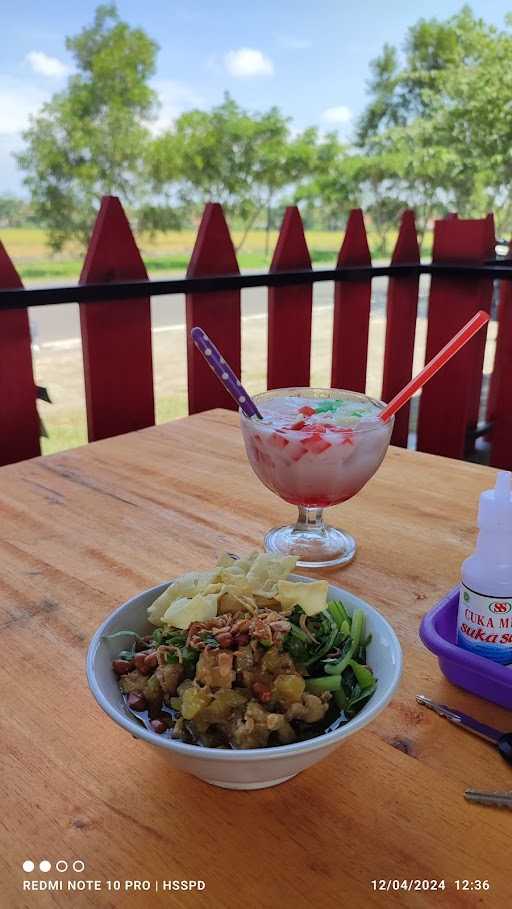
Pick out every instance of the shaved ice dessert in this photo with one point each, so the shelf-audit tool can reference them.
(318, 447)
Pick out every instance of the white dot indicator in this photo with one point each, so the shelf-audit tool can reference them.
(78, 865)
(28, 866)
(61, 865)
(207, 351)
(242, 399)
(225, 375)
(45, 865)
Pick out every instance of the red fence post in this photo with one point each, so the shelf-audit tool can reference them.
(289, 309)
(402, 307)
(500, 410)
(351, 311)
(217, 313)
(447, 401)
(504, 326)
(19, 422)
(476, 385)
(116, 335)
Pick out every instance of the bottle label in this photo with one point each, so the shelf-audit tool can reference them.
(484, 625)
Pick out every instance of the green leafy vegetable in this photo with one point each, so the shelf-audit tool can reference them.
(209, 639)
(336, 657)
(308, 649)
(189, 658)
(356, 636)
(364, 676)
(339, 613)
(323, 683)
(358, 699)
(340, 697)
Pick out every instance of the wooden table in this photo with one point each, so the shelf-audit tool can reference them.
(82, 531)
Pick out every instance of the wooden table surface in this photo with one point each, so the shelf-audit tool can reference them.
(82, 531)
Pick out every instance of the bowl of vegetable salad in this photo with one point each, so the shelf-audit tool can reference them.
(245, 674)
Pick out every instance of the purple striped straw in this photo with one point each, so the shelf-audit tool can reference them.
(224, 373)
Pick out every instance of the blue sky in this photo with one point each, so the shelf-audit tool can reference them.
(311, 59)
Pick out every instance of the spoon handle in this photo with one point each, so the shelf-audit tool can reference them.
(224, 373)
(505, 747)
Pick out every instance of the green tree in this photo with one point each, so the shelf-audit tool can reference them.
(334, 183)
(404, 88)
(438, 117)
(92, 138)
(14, 212)
(228, 155)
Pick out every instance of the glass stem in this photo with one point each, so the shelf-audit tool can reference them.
(310, 520)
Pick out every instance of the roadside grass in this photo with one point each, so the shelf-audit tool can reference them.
(68, 428)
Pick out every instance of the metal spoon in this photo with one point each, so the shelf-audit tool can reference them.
(500, 799)
(501, 740)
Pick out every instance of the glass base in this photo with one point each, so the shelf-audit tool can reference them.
(324, 547)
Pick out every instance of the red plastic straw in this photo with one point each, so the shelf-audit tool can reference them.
(436, 363)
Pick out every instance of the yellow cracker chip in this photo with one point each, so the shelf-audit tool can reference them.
(311, 597)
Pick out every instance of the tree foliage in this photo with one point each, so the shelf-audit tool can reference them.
(91, 139)
(440, 116)
(14, 212)
(229, 155)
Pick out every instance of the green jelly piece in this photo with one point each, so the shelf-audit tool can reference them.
(328, 406)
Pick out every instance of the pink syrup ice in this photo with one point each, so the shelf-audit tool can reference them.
(316, 450)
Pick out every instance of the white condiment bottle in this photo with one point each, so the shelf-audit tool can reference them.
(484, 623)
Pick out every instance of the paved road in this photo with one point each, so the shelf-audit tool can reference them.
(51, 324)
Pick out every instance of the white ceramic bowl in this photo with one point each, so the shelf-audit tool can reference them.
(255, 768)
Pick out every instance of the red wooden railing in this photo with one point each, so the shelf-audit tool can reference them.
(351, 311)
(116, 327)
(218, 314)
(289, 306)
(401, 325)
(500, 396)
(19, 425)
(449, 402)
(116, 336)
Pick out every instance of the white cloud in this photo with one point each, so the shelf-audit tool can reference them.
(337, 115)
(48, 66)
(246, 62)
(174, 98)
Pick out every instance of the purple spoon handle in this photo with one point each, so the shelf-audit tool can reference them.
(224, 373)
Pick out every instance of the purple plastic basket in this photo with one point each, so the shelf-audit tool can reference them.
(483, 677)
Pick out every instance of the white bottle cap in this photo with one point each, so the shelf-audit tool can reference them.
(495, 511)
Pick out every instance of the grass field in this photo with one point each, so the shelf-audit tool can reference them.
(171, 251)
